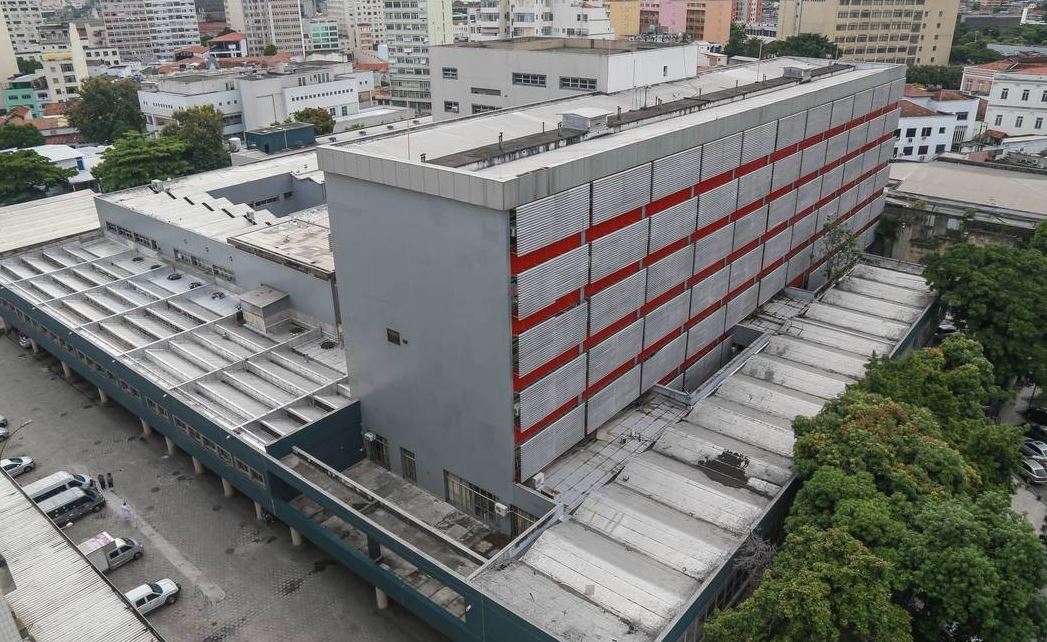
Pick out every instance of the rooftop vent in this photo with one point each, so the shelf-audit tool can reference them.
(797, 73)
(174, 276)
(592, 120)
(328, 344)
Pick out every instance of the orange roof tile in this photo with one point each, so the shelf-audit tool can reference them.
(912, 110)
(229, 37)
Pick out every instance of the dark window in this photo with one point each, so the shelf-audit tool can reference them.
(907, 151)
(480, 109)
(926, 131)
(584, 84)
(941, 130)
(483, 91)
(1025, 94)
(910, 132)
(529, 80)
(939, 149)
(392, 336)
(450, 73)
(962, 115)
(1004, 92)
(378, 451)
(921, 150)
(407, 464)
(451, 106)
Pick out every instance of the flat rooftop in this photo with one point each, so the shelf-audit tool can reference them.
(304, 237)
(183, 332)
(567, 45)
(58, 595)
(667, 492)
(46, 220)
(972, 185)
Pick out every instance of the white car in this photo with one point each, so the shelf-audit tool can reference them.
(149, 597)
(16, 466)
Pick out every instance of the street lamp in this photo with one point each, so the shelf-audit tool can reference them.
(12, 435)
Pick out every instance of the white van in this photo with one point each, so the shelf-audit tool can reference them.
(151, 596)
(72, 504)
(56, 483)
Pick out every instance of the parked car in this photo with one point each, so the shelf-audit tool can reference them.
(16, 466)
(106, 552)
(1035, 449)
(24, 341)
(149, 597)
(1037, 415)
(1033, 471)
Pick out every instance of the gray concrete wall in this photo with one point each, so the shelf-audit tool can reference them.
(437, 272)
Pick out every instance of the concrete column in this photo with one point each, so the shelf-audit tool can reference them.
(147, 430)
(296, 538)
(227, 488)
(170, 446)
(67, 372)
(381, 599)
(198, 468)
(258, 511)
(36, 348)
(102, 397)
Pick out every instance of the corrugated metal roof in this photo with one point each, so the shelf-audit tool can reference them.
(47, 220)
(59, 596)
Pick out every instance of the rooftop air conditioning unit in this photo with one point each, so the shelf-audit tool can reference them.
(500, 509)
(369, 436)
(539, 481)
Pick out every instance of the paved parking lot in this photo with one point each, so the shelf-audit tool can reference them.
(241, 579)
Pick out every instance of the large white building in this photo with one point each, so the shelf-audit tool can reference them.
(477, 77)
(1018, 102)
(500, 19)
(923, 134)
(949, 101)
(150, 28)
(267, 22)
(362, 22)
(23, 18)
(411, 27)
(251, 100)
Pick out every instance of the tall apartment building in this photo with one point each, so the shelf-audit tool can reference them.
(8, 60)
(556, 261)
(362, 22)
(477, 77)
(67, 52)
(23, 18)
(500, 19)
(411, 27)
(748, 12)
(624, 16)
(268, 22)
(321, 34)
(150, 28)
(896, 31)
(706, 20)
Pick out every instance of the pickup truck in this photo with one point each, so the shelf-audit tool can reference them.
(106, 552)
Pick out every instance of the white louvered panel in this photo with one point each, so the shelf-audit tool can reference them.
(818, 119)
(717, 203)
(551, 219)
(721, 155)
(863, 103)
(781, 209)
(746, 267)
(609, 355)
(868, 237)
(702, 369)
(672, 224)
(621, 192)
(670, 271)
(545, 283)
(804, 228)
(890, 121)
(606, 403)
(754, 185)
(897, 90)
(622, 298)
(808, 194)
(848, 200)
(772, 284)
(813, 159)
(551, 338)
(819, 248)
(881, 177)
(541, 398)
(709, 291)
(758, 141)
(852, 169)
(786, 171)
(886, 150)
(799, 262)
(749, 227)
(842, 110)
(865, 189)
(875, 129)
(864, 217)
(857, 136)
(675, 172)
(677, 383)
(827, 213)
(817, 277)
(777, 246)
(554, 440)
(870, 160)
(663, 362)
(835, 147)
(741, 306)
(713, 247)
(791, 129)
(618, 249)
(665, 318)
(881, 96)
(832, 180)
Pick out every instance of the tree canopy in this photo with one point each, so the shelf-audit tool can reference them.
(28, 65)
(107, 109)
(135, 160)
(26, 175)
(1038, 241)
(200, 128)
(321, 119)
(944, 76)
(269, 50)
(20, 136)
(805, 44)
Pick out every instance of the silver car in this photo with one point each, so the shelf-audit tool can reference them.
(1033, 471)
(16, 466)
(1035, 449)
(4, 431)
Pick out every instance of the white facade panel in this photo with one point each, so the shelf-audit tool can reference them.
(721, 155)
(875, 129)
(543, 284)
(772, 284)
(857, 136)
(702, 369)
(852, 169)
(622, 298)
(541, 398)
(890, 121)
(665, 318)
(713, 247)
(551, 338)
(749, 227)
(791, 129)
(758, 141)
(881, 96)
(741, 306)
(706, 331)
(848, 200)
(781, 209)
(804, 228)
(799, 262)
(863, 103)
(717, 203)
(813, 158)
(746, 267)
(835, 147)
(777, 246)
(670, 271)
(842, 110)
(754, 185)
(609, 401)
(672, 224)
(621, 192)
(808, 194)
(554, 440)
(828, 213)
(609, 355)
(618, 249)
(675, 172)
(818, 119)
(870, 160)
(662, 363)
(786, 171)
(551, 219)
(831, 181)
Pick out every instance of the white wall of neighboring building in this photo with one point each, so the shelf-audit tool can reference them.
(500, 19)
(158, 107)
(966, 112)
(1018, 104)
(924, 138)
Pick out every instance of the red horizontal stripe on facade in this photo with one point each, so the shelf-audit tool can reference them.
(810, 142)
(553, 416)
(705, 273)
(751, 166)
(738, 290)
(666, 202)
(696, 319)
(659, 344)
(519, 383)
(783, 152)
(657, 255)
(836, 130)
(806, 179)
(715, 181)
(774, 230)
(662, 298)
(797, 282)
(781, 191)
(748, 209)
(603, 383)
(613, 225)
(706, 349)
(609, 330)
(733, 256)
(563, 303)
(611, 279)
(771, 268)
(518, 264)
(669, 377)
(710, 228)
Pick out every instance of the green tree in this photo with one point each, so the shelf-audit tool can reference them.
(270, 50)
(321, 119)
(944, 76)
(735, 41)
(107, 109)
(20, 136)
(135, 160)
(28, 65)
(200, 128)
(1038, 241)
(1000, 293)
(808, 45)
(841, 249)
(973, 53)
(26, 175)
